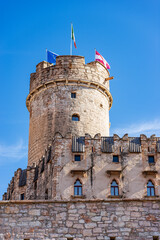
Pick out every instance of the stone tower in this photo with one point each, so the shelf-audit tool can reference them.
(70, 90)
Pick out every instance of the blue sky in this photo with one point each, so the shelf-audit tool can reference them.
(126, 33)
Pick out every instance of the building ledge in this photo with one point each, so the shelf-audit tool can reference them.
(151, 197)
(78, 197)
(115, 197)
(85, 200)
(149, 172)
(78, 171)
(113, 172)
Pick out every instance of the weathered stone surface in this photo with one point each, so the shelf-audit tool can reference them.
(58, 223)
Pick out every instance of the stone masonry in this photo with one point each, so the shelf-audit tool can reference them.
(56, 172)
(84, 220)
(51, 106)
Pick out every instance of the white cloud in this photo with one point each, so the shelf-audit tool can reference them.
(12, 153)
(147, 128)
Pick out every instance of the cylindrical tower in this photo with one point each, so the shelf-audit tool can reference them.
(70, 96)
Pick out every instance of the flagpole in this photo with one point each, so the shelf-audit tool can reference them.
(71, 41)
(95, 55)
(46, 55)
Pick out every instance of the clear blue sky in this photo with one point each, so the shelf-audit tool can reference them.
(126, 33)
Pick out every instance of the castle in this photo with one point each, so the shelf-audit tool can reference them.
(80, 182)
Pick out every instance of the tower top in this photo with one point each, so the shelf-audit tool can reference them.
(69, 67)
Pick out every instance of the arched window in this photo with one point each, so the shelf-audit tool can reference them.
(114, 188)
(78, 188)
(75, 117)
(150, 189)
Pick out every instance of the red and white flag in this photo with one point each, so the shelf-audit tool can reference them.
(99, 58)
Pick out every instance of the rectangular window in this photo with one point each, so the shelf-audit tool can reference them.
(22, 196)
(155, 238)
(150, 159)
(73, 95)
(115, 158)
(77, 158)
(70, 238)
(112, 238)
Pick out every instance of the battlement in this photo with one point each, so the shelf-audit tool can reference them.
(69, 70)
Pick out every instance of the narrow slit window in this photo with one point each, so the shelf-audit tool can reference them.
(22, 196)
(46, 194)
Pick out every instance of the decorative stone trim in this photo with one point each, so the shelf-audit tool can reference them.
(78, 171)
(116, 197)
(63, 82)
(8, 202)
(113, 172)
(78, 197)
(149, 172)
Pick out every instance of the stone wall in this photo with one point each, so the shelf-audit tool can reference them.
(84, 220)
(56, 172)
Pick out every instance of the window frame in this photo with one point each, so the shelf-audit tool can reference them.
(78, 189)
(77, 155)
(149, 157)
(75, 117)
(150, 189)
(73, 95)
(114, 189)
(117, 158)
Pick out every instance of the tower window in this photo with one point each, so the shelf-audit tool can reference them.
(78, 188)
(151, 159)
(115, 158)
(73, 95)
(150, 189)
(75, 117)
(77, 158)
(114, 188)
(22, 196)
(46, 194)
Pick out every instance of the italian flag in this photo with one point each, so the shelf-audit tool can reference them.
(73, 36)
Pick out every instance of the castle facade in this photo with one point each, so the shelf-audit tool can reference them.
(80, 182)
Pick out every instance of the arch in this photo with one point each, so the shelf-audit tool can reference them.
(77, 188)
(75, 117)
(150, 188)
(114, 188)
